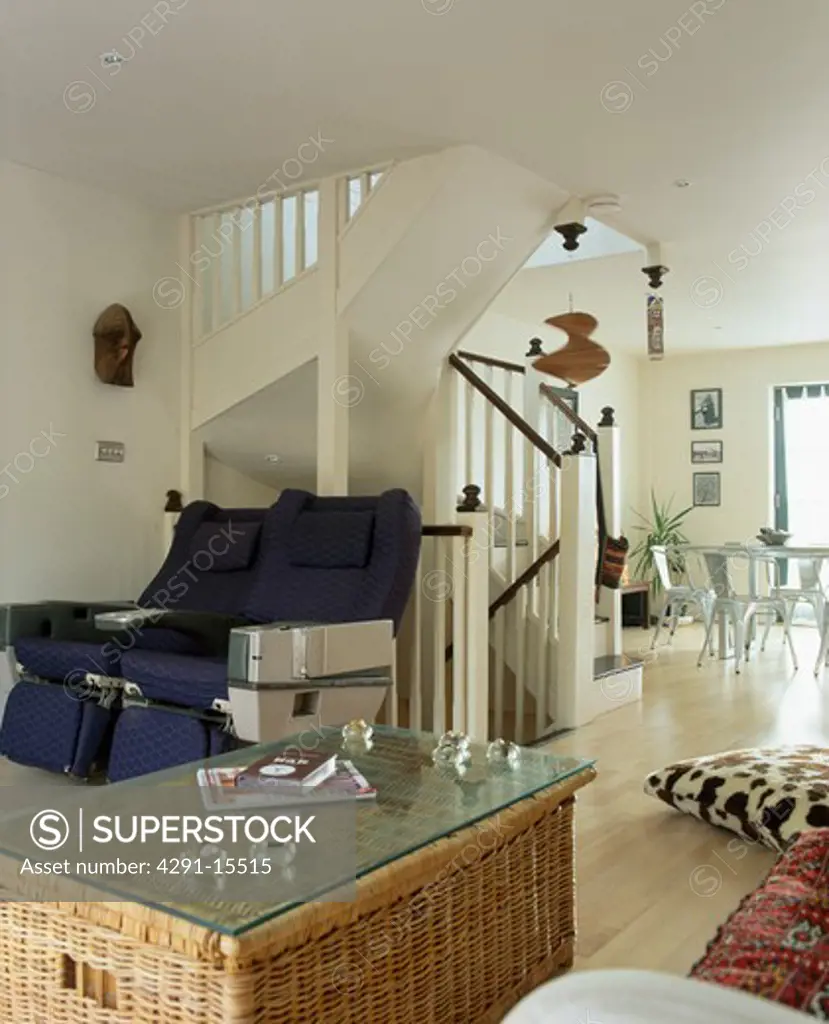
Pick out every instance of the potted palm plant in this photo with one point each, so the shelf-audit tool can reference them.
(665, 529)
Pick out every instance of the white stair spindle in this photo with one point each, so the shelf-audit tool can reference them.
(609, 435)
(415, 655)
(236, 250)
(476, 570)
(198, 327)
(511, 506)
(520, 661)
(553, 485)
(469, 433)
(216, 274)
(541, 653)
(550, 665)
(458, 597)
(439, 641)
(530, 502)
(489, 443)
(299, 226)
(576, 633)
(500, 660)
(278, 244)
(393, 695)
(256, 271)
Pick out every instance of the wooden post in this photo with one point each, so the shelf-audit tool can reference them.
(532, 463)
(442, 473)
(609, 435)
(476, 613)
(334, 402)
(577, 592)
(172, 510)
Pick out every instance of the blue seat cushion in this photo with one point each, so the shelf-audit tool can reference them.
(152, 639)
(154, 738)
(176, 678)
(68, 660)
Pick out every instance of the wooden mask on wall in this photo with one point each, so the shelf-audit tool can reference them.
(116, 336)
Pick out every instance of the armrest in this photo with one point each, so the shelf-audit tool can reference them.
(212, 629)
(282, 652)
(56, 620)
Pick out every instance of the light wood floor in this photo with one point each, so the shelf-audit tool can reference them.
(639, 861)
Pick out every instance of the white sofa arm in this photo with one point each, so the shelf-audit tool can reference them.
(644, 997)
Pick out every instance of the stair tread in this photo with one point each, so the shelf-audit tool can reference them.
(610, 664)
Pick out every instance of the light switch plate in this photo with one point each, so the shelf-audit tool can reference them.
(110, 451)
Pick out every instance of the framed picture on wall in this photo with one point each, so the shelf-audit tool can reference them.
(706, 409)
(706, 489)
(706, 451)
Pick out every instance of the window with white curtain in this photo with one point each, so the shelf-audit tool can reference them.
(801, 430)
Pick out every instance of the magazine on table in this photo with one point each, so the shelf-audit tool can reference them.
(220, 790)
(298, 770)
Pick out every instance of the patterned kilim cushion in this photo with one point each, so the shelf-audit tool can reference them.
(768, 794)
(776, 944)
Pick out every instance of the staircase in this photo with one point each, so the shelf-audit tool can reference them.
(374, 278)
(376, 305)
(521, 454)
(508, 581)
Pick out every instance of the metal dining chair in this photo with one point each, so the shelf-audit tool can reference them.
(676, 596)
(809, 592)
(740, 609)
(823, 650)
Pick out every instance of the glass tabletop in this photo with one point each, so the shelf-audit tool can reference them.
(417, 803)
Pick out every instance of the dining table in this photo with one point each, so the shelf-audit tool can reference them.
(753, 555)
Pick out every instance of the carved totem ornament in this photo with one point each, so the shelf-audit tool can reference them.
(116, 336)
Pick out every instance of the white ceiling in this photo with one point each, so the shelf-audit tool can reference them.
(598, 97)
(779, 297)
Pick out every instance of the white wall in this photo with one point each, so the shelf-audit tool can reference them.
(226, 486)
(746, 378)
(70, 526)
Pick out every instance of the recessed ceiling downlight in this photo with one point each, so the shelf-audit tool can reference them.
(272, 458)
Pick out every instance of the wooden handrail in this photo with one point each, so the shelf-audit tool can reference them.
(506, 410)
(571, 414)
(499, 364)
(527, 576)
(446, 530)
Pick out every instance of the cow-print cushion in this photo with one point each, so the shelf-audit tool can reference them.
(767, 794)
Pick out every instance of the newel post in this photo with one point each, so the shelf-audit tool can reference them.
(173, 508)
(532, 379)
(577, 568)
(472, 620)
(338, 389)
(534, 466)
(610, 466)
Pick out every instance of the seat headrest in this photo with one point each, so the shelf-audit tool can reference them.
(331, 540)
(225, 546)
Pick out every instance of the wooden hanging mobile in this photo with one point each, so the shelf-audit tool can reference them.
(581, 359)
